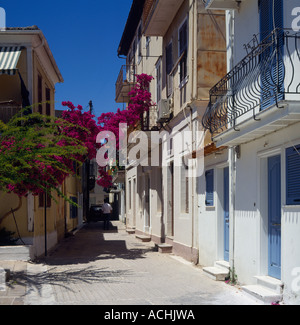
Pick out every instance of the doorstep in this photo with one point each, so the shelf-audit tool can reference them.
(164, 248)
(218, 272)
(268, 290)
(143, 238)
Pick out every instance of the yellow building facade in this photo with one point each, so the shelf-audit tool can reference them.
(39, 223)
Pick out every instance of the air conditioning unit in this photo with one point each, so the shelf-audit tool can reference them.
(163, 111)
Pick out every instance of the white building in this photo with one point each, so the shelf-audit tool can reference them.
(255, 112)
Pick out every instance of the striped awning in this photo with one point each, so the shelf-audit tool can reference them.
(9, 57)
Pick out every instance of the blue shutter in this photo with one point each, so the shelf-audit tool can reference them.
(272, 67)
(209, 175)
(293, 176)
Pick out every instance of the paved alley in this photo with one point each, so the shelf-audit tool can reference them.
(97, 267)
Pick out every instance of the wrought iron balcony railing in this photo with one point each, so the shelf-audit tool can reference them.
(268, 75)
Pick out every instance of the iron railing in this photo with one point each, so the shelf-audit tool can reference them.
(127, 75)
(264, 78)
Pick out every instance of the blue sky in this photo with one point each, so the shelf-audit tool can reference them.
(84, 38)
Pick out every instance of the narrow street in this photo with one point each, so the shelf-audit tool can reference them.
(97, 267)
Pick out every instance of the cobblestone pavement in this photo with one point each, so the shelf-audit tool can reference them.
(97, 267)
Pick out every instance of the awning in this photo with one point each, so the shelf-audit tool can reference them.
(9, 57)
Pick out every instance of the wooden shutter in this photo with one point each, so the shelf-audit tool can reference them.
(73, 209)
(183, 48)
(169, 67)
(48, 101)
(293, 176)
(40, 94)
(209, 175)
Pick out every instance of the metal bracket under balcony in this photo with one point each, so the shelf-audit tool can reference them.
(266, 78)
(125, 82)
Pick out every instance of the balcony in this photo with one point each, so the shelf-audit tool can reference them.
(261, 94)
(125, 82)
(8, 109)
(161, 16)
(221, 4)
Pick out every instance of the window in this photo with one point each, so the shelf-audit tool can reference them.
(169, 67)
(40, 94)
(73, 208)
(293, 176)
(158, 81)
(48, 99)
(148, 39)
(183, 50)
(209, 177)
(139, 43)
(42, 200)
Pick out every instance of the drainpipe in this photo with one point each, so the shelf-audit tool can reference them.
(232, 151)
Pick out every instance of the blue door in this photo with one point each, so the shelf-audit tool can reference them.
(226, 214)
(274, 185)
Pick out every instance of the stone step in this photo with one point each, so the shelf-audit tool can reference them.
(262, 294)
(143, 238)
(216, 273)
(16, 253)
(130, 231)
(223, 264)
(270, 283)
(164, 248)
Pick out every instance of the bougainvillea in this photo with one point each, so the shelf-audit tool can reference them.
(140, 102)
(37, 155)
(38, 152)
(83, 127)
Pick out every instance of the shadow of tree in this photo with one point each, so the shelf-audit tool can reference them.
(72, 262)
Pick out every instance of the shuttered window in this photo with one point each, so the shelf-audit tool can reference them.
(183, 49)
(209, 176)
(73, 208)
(293, 175)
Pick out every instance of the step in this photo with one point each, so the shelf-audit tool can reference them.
(131, 231)
(16, 253)
(262, 293)
(164, 248)
(143, 238)
(216, 273)
(270, 283)
(223, 264)
(2, 279)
